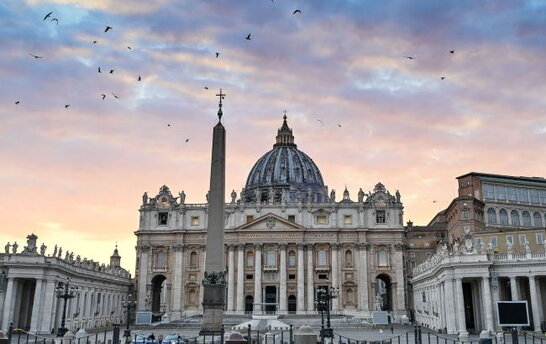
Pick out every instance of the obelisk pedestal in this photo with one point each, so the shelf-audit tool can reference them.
(214, 282)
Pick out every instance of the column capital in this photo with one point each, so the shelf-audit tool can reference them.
(282, 246)
(310, 246)
(364, 246)
(399, 246)
(178, 247)
(300, 245)
(335, 246)
(231, 247)
(258, 247)
(144, 248)
(240, 247)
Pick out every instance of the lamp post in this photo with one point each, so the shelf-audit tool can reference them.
(127, 303)
(324, 297)
(65, 291)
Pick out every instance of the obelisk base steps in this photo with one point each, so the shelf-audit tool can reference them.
(213, 309)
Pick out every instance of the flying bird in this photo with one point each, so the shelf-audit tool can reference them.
(320, 122)
(48, 15)
(339, 125)
(452, 51)
(410, 57)
(114, 95)
(443, 77)
(111, 71)
(217, 54)
(248, 37)
(296, 11)
(66, 106)
(187, 140)
(17, 102)
(206, 88)
(434, 201)
(94, 42)
(168, 125)
(129, 48)
(107, 28)
(56, 20)
(139, 78)
(36, 56)
(103, 96)
(99, 70)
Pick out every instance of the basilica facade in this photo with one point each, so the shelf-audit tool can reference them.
(286, 237)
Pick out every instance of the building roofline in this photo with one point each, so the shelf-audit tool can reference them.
(504, 176)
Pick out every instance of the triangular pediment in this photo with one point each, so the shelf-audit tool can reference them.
(271, 222)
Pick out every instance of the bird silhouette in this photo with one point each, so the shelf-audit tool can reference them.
(48, 15)
(139, 78)
(168, 125)
(410, 57)
(107, 28)
(217, 54)
(114, 95)
(206, 88)
(129, 48)
(443, 77)
(36, 56)
(66, 106)
(452, 51)
(17, 102)
(103, 96)
(94, 42)
(187, 140)
(99, 70)
(296, 11)
(248, 37)
(434, 201)
(339, 125)
(111, 71)
(320, 122)
(56, 20)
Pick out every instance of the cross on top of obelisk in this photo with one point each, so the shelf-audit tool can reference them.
(220, 113)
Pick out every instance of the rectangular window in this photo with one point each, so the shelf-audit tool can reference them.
(465, 214)
(413, 264)
(291, 276)
(249, 276)
(271, 259)
(424, 297)
(380, 216)
(522, 239)
(509, 240)
(478, 241)
(292, 260)
(522, 195)
(162, 218)
(512, 193)
(533, 196)
(292, 218)
(412, 254)
(347, 220)
(488, 191)
(493, 241)
(249, 218)
(320, 219)
(500, 192)
(195, 220)
(322, 276)
(543, 196)
(540, 238)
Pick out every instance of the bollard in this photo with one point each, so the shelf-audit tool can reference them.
(249, 339)
(291, 335)
(222, 333)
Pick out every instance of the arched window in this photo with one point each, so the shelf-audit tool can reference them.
(292, 258)
(382, 257)
(322, 257)
(161, 259)
(249, 259)
(515, 217)
(348, 258)
(503, 217)
(537, 219)
(491, 216)
(193, 260)
(526, 218)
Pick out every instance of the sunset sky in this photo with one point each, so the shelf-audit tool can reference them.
(75, 176)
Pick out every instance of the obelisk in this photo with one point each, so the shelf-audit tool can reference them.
(213, 282)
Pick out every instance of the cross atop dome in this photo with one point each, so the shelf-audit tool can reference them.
(220, 113)
(284, 134)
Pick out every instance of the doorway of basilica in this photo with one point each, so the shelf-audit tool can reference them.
(271, 299)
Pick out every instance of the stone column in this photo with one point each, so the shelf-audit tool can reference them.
(258, 278)
(335, 281)
(310, 282)
(463, 333)
(399, 273)
(487, 304)
(301, 288)
(143, 250)
(8, 305)
(177, 280)
(231, 277)
(514, 288)
(240, 278)
(283, 309)
(534, 303)
(362, 261)
(48, 309)
(36, 308)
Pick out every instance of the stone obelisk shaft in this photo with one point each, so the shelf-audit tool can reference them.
(214, 283)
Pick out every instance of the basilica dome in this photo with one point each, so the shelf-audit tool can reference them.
(285, 174)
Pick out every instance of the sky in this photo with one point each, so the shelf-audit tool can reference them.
(75, 176)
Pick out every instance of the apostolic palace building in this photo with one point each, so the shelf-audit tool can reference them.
(286, 235)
